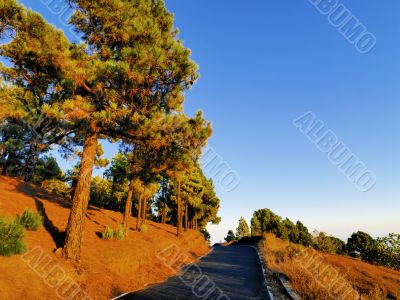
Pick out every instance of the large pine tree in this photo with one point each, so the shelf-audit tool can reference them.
(135, 67)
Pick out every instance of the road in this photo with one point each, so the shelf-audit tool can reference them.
(227, 273)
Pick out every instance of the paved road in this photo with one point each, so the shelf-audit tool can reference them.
(227, 273)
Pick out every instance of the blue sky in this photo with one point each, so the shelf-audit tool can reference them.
(264, 63)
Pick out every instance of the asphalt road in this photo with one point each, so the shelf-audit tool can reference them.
(227, 273)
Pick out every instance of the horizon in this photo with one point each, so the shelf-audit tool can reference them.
(257, 78)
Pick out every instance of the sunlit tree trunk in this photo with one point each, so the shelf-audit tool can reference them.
(74, 231)
(179, 221)
(139, 212)
(186, 216)
(163, 214)
(144, 215)
(31, 160)
(128, 206)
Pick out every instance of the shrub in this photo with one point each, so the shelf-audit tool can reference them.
(11, 238)
(143, 228)
(230, 236)
(107, 234)
(30, 220)
(119, 233)
(57, 187)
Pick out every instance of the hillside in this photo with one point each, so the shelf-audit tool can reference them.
(318, 275)
(107, 268)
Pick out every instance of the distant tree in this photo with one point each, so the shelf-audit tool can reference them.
(304, 237)
(58, 187)
(361, 244)
(264, 220)
(47, 168)
(206, 234)
(255, 224)
(389, 251)
(288, 231)
(118, 174)
(163, 198)
(230, 236)
(100, 192)
(207, 212)
(329, 244)
(243, 229)
(338, 245)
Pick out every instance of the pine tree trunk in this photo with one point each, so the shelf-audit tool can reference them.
(179, 221)
(139, 213)
(163, 214)
(186, 216)
(5, 169)
(128, 206)
(144, 211)
(31, 160)
(74, 231)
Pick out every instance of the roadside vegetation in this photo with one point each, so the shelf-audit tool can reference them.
(384, 251)
(320, 266)
(318, 275)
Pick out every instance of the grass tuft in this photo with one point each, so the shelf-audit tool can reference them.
(30, 220)
(107, 234)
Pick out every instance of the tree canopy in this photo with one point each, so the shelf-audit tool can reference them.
(124, 83)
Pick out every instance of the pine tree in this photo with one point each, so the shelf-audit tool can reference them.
(118, 174)
(136, 67)
(38, 79)
(243, 229)
(255, 226)
(168, 152)
(230, 236)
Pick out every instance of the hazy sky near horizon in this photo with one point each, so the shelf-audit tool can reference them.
(265, 63)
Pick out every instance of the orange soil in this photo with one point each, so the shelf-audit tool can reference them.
(106, 269)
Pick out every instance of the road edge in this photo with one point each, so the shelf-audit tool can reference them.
(269, 295)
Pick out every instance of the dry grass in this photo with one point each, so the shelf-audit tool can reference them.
(316, 275)
(107, 268)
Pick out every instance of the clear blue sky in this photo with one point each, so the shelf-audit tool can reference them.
(264, 63)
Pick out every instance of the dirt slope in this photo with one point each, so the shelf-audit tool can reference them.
(318, 275)
(107, 268)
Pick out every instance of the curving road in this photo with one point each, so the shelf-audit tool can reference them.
(227, 273)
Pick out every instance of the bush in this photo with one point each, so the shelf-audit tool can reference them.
(107, 234)
(119, 233)
(11, 238)
(57, 187)
(30, 220)
(143, 228)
